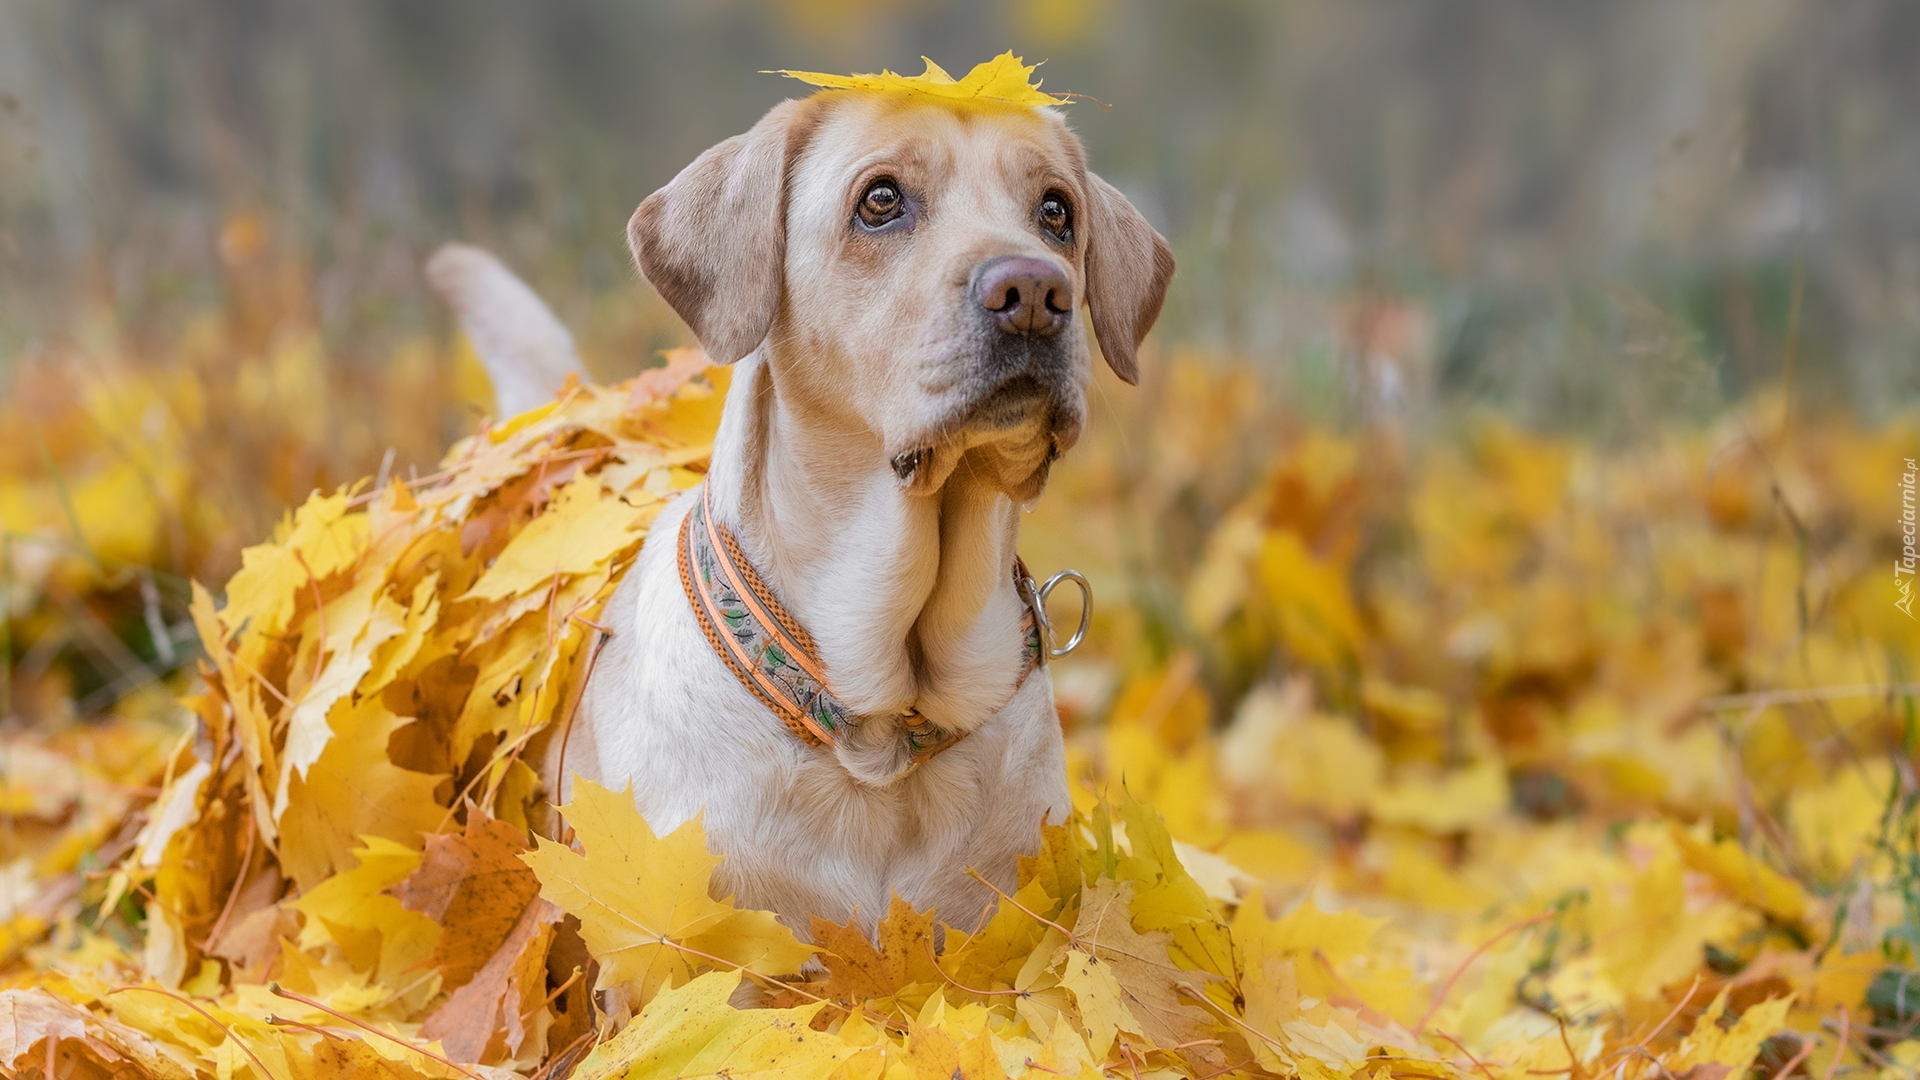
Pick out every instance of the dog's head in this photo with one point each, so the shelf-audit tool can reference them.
(916, 270)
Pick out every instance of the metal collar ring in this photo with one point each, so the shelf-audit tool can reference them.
(1036, 599)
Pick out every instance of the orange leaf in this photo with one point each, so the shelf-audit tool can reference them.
(857, 971)
(484, 1016)
(475, 886)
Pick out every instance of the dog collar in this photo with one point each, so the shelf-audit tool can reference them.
(773, 656)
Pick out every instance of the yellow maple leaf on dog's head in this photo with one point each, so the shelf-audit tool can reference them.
(1005, 78)
(642, 899)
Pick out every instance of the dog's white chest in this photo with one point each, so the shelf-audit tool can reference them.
(801, 837)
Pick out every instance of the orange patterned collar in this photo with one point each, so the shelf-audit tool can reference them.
(772, 655)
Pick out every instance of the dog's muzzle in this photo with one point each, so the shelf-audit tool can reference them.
(1023, 373)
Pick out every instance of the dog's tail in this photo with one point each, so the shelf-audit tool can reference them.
(526, 350)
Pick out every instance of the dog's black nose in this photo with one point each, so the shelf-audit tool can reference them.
(1024, 295)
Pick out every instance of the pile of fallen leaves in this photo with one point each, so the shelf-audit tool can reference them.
(1533, 761)
(373, 683)
(1624, 728)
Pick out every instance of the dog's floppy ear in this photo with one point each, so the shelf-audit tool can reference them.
(1128, 268)
(714, 240)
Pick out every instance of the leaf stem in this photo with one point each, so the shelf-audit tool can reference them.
(244, 1048)
(1800, 1055)
(951, 981)
(1662, 1025)
(1072, 938)
(559, 1061)
(278, 991)
(1229, 1017)
(1476, 1061)
(1841, 1050)
(1440, 998)
(239, 880)
(561, 989)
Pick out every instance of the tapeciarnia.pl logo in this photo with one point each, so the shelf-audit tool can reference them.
(1905, 565)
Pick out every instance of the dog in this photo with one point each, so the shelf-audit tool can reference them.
(900, 282)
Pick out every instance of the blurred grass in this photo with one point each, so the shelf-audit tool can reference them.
(1603, 213)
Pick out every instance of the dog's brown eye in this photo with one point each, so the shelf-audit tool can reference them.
(881, 204)
(1055, 217)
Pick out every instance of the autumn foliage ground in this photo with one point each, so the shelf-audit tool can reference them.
(1398, 752)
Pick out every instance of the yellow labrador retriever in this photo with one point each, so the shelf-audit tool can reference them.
(828, 646)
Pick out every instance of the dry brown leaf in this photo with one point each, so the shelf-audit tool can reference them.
(484, 1017)
(1141, 970)
(256, 922)
(27, 1017)
(37, 1027)
(475, 886)
(857, 971)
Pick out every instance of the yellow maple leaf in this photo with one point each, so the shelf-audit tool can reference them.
(642, 899)
(1744, 877)
(373, 930)
(321, 534)
(353, 791)
(1128, 978)
(1732, 1047)
(1166, 897)
(1327, 1043)
(364, 619)
(1836, 822)
(1325, 763)
(1448, 802)
(692, 1031)
(1219, 585)
(1103, 1007)
(579, 532)
(992, 957)
(1311, 952)
(1646, 933)
(1311, 603)
(1337, 935)
(394, 654)
(1268, 986)
(958, 1043)
(1004, 79)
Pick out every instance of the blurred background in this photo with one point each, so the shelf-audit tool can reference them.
(1594, 213)
(1538, 378)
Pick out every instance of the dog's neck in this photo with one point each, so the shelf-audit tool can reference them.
(908, 596)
